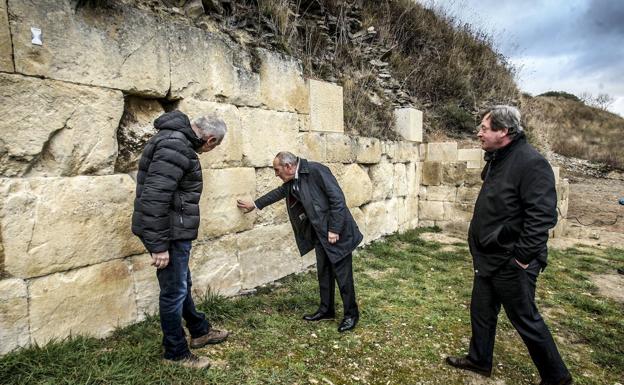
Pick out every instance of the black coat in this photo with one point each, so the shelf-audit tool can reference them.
(169, 185)
(321, 208)
(516, 207)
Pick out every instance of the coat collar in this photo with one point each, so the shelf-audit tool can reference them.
(503, 152)
(303, 166)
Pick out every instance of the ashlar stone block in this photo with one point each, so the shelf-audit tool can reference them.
(74, 131)
(367, 150)
(431, 173)
(230, 151)
(6, 48)
(326, 106)
(146, 289)
(93, 300)
(135, 129)
(431, 210)
(340, 148)
(215, 267)
(454, 173)
(467, 194)
(123, 48)
(440, 193)
(282, 86)
(266, 254)
(442, 152)
(458, 212)
(382, 177)
(265, 182)
(356, 185)
(409, 123)
(265, 133)
(400, 185)
(381, 218)
(312, 146)
(219, 214)
(205, 66)
(472, 156)
(56, 224)
(14, 331)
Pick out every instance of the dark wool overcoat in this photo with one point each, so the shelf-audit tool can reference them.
(321, 208)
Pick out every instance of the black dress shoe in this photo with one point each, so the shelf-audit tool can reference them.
(347, 324)
(466, 364)
(564, 381)
(319, 316)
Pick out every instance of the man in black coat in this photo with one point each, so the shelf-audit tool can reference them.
(516, 207)
(166, 219)
(321, 221)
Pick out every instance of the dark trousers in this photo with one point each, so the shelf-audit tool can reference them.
(342, 273)
(514, 288)
(175, 302)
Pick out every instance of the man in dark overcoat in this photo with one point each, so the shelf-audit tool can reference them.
(321, 221)
(515, 209)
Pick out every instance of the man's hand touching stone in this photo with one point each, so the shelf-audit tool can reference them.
(245, 205)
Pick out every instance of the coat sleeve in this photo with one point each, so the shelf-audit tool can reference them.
(335, 197)
(538, 198)
(271, 197)
(167, 167)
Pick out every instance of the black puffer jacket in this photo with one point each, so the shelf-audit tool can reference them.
(169, 185)
(515, 209)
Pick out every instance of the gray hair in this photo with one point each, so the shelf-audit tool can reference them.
(286, 157)
(505, 117)
(211, 125)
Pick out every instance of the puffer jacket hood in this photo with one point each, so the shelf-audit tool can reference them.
(177, 121)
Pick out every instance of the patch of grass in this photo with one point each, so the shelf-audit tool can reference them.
(414, 297)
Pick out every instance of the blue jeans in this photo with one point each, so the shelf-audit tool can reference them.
(175, 302)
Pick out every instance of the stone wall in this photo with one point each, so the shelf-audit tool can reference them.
(77, 111)
(450, 184)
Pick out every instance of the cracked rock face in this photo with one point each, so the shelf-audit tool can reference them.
(135, 129)
(57, 129)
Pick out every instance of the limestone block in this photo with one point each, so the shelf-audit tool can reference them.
(467, 194)
(282, 86)
(430, 210)
(326, 106)
(267, 253)
(312, 146)
(73, 132)
(265, 182)
(360, 220)
(472, 177)
(472, 156)
(215, 267)
(407, 152)
(560, 229)
(367, 150)
(562, 207)
(145, 283)
(409, 123)
(303, 122)
(308, 260)
(14, 331)
(340, 148)
(93, 300)
(557, 173)
(123, 48)
(442, 152)
(440, 193)
(205, 66)
(219, 214)
(382, 177)
(431, 173)
(458, 212)
(6, 49)
(56, 224)
(356, 185)
(380, 219)
(413, 178)
(408, 213)
(400, 185)
(135, 129)
(389, 149)
(454, 173)
(565, 189)
(230, 151)
(422, 151)
(426, 223)
(265, 133)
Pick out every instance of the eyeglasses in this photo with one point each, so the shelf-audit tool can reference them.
(481, 128)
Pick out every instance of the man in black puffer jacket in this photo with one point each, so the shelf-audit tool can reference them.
(166, 218)
(516, 207)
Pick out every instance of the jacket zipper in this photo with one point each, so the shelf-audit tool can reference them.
(181, 211)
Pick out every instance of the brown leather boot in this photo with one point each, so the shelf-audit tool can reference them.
(213, 336)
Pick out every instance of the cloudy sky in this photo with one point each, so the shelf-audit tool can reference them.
(558, 45)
